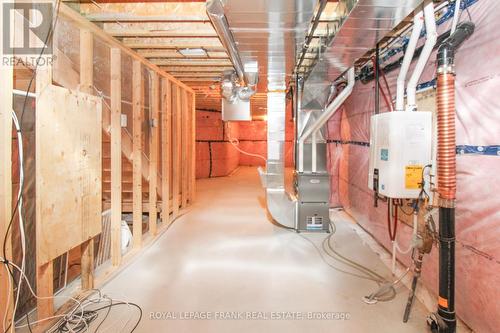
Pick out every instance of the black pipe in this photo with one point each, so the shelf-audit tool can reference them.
(368, 74)
(445, 320)
(446, 51)
(446, 300)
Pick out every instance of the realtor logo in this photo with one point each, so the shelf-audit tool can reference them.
(26, 28)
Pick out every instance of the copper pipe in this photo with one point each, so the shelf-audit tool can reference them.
(446, 164)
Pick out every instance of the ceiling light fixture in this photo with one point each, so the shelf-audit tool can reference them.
(196, 52)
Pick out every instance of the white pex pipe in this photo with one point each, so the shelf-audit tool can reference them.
(418, 23)
(455, 17)
(329, 111)
(430, 27)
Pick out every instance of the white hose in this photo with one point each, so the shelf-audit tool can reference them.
(236, 142)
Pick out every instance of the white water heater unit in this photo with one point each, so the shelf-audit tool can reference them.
(400, 148)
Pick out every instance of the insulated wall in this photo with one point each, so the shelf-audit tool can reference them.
(215, 155)
(478, 157)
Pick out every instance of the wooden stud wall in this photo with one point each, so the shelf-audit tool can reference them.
(171, 151)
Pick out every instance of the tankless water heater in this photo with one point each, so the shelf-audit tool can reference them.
(400, 148)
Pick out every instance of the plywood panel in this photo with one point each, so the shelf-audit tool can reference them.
(68, 164)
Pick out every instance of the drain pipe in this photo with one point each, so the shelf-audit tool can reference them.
(327, 114)
(430, 27)
(418, 22)
(445, 319)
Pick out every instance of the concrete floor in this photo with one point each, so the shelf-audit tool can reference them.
(225, 256)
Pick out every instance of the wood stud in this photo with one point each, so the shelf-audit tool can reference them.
(137, 117)
(86, 86)
(116, 156)
(166, 107)
(6, 73)
(153, 152)
(176, 148)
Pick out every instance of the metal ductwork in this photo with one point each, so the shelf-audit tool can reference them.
(247, 73)
(364, 23)
(267, 33)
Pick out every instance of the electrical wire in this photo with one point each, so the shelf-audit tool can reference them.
(23, 276)
(20, 200)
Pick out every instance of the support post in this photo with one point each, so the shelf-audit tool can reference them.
(86, 86)
(153, 152)
(193, 148)
(137, 103)
(166, 109)
(185, 146)
(176, 147)
(44, 272)
(7, 75)
(116, 156)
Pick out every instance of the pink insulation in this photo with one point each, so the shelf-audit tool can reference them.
(215, 155)
(478, 202)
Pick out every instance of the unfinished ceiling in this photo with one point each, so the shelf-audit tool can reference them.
(160, 30)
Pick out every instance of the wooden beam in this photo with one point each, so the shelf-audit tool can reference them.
(192, 193)
(198, 75)
(198, 68)
(185, 167)
(153, 151)
(126, 17)
(45, 290)
(142, 44)
(116, 156)
(163, 34)
(81, 22)
(86, 61)
(86, 86)
(44, 272)
(137, 103)
(166, 109)
(176, 148)
(7, 75)
(191, 62)
(127, 1)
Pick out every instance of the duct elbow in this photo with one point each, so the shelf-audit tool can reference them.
(246, 92)
(446, 51)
